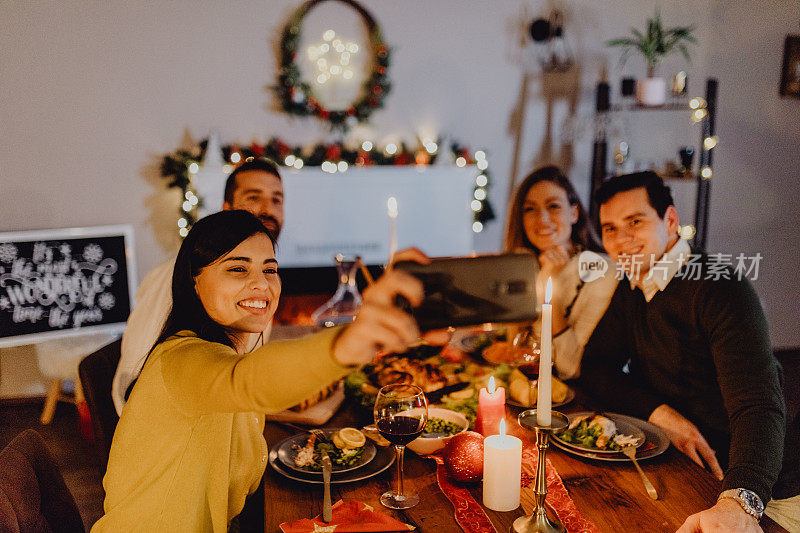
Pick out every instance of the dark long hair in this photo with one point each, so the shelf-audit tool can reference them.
(209, 239)
(583, 234)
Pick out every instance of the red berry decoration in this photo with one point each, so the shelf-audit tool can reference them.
(463, 457)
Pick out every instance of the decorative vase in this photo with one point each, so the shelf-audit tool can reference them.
(651, 92)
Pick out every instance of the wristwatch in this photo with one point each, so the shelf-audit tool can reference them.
(748, 499)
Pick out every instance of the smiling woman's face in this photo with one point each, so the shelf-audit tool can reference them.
(240, 290)
(547, 216)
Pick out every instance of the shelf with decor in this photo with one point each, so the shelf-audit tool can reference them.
(702, 111)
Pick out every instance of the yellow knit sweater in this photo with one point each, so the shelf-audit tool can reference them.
(189, 446)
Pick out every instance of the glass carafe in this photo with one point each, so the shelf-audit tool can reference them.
(343, 306)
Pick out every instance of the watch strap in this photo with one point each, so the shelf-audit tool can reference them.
(738, 495)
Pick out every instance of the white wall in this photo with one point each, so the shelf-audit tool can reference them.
(92, 93)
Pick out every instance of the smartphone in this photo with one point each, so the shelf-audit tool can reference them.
(465, 291)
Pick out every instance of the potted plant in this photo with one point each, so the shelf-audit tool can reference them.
(655, 45)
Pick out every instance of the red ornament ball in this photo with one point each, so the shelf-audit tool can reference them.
(463, 457)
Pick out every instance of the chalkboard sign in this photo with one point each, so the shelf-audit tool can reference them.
(65, 282)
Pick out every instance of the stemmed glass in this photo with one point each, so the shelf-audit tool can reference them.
(401, 412)
(526, 350)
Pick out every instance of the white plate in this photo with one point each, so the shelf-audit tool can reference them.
(652, 433)
(384, 458)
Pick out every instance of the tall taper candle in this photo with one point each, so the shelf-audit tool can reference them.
(391, 206)
(544, 398)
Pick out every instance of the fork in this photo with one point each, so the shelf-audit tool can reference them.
(630, 452)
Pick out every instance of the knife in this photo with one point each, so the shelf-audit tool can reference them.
(327, 513)
(438, 394)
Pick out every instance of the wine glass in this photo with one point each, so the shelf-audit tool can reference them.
(526, 352)
(401, 412)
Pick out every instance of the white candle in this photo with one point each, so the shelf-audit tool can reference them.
(502, 470)
(544, 399)
(391, 206)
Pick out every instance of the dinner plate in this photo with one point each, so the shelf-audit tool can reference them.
(656, 441)
(568, 398)
(623, 428)
(384, 457)
(474, 342)
(288, 449)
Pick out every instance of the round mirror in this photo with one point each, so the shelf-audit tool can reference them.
(333, 63)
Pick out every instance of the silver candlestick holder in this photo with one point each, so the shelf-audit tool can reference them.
(538, 522)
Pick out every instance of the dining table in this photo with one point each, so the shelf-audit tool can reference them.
(609, 494)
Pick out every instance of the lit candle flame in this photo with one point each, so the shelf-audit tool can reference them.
(391, 205)
(548, 292)
(502, 428)
(491, 386)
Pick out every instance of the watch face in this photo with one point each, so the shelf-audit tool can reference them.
(753, 501)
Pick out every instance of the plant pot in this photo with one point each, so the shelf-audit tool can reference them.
(651, 92)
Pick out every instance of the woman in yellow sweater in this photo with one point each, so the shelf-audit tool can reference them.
(189, 446)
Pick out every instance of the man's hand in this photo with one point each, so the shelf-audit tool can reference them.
(726, 516)
(380, 325)
(409, 254)
(686, 437)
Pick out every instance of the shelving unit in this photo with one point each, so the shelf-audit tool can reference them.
(702, 174)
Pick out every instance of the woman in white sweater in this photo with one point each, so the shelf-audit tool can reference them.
(547, 219)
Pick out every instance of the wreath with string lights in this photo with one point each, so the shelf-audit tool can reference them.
(297, 96)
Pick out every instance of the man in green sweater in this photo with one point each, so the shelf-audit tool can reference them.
(684, 344)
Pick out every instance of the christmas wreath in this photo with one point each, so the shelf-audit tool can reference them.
(296, 95)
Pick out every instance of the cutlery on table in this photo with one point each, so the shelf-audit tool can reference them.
(630, 452)
(327, 512)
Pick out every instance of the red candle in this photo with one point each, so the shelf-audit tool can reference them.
(491, 409)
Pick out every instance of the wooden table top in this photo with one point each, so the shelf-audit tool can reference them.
(609, 494)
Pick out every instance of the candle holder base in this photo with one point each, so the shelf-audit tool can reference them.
(538, 522)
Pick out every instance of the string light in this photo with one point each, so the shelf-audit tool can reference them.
(482, 164)
(477, 227)
(480, 154)
(461, 162)
(480, 194)
(183, 232)
(481, 180)
(699, 115)
(391, 148)
(298, 163)
(687, 232)
(331, 59)
(342, 166)
(706, 172)
(476, 205)
(431, 147)
(193, 167)
(290, 159)
(187, 206)
(697, 103)
(236, 157)
(710, 142)
(182, 222)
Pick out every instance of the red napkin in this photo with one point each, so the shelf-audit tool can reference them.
(350, 516)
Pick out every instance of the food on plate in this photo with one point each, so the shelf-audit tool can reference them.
(342, 448)
(499, 352)
(524, 391)
(440, 426)
(596, 431)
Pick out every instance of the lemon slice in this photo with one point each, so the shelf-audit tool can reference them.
(351, 437)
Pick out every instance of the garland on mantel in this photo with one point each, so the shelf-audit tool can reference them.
(179, 166)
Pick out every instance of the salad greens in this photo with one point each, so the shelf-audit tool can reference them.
(588, 435)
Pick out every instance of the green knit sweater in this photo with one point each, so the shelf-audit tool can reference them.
(702, 347)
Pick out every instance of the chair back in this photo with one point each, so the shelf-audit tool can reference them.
(33, 495)
(96, 372)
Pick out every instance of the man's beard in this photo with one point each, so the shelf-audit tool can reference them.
(272, 225)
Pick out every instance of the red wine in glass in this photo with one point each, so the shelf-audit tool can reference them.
(400, 412)
(401, 430)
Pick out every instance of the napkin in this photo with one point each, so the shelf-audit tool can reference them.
(349, 516)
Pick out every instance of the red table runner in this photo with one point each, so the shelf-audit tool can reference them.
(469, 514)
